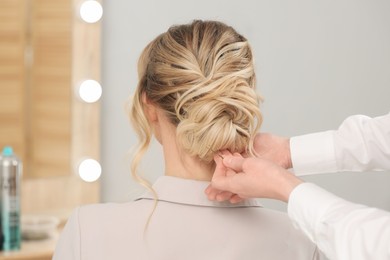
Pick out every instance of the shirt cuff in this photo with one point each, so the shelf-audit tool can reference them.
(313, 153)
(307, 205)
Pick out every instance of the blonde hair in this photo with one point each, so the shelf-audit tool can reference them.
(202, 75)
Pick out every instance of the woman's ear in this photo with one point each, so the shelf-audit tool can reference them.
(149, 108)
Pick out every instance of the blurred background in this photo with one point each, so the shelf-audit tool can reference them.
(68, 67)
(317, 62)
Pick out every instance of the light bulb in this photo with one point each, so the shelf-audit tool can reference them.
(91, 11)
(90, 91)
(89, 170)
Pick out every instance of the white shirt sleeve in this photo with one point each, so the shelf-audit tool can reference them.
(341, 229)
(360, 144)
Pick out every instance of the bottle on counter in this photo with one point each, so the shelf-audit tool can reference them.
(10, 175)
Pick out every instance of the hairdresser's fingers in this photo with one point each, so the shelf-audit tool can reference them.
(222, 182)
(208, 189)
(234, 162)
(235, 199)
(230, 173)
(217, 195)
(220, 170)
(219, 176)
(212, 192)
(224, 196)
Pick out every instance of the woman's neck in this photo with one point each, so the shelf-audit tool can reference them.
(179, 164)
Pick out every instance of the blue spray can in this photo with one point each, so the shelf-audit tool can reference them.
(10, 175)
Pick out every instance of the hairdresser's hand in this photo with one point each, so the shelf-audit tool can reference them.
(222, 195)
(253, 177)
(273, 148)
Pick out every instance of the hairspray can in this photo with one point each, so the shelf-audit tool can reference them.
(10, 174)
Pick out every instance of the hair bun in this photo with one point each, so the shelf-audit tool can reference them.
(226, 117)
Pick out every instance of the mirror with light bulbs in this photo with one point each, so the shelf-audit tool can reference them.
(50, 89)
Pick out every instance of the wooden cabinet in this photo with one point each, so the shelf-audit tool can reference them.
(45, 51)
(35, 83)
(34, 250)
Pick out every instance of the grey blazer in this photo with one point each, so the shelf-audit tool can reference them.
(184, 225)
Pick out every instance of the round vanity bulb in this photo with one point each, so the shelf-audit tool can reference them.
(90, 170)
(90, 91)
(91, 11)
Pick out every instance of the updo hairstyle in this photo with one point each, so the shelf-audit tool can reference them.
(202, 75)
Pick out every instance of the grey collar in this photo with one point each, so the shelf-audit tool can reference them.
(189, 192)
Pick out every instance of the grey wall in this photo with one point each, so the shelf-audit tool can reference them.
(317, 63)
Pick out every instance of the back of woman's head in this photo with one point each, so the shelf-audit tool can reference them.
(202, 75)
